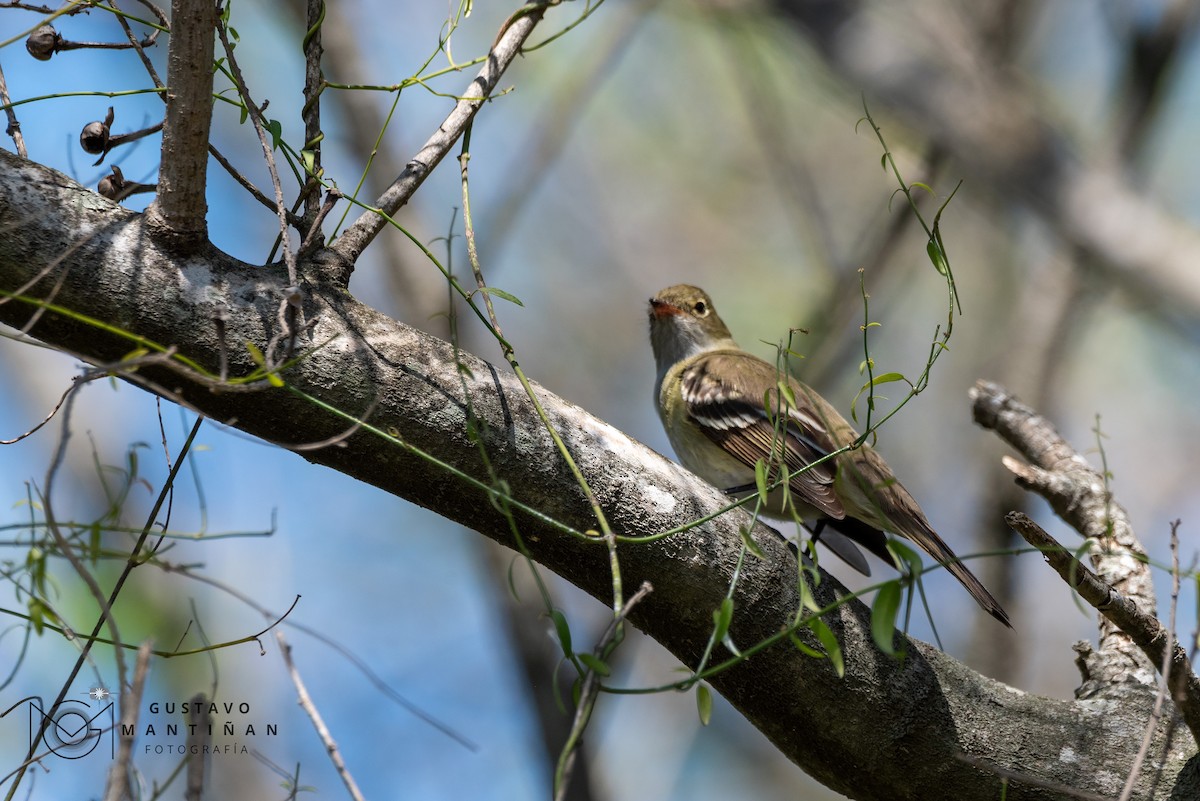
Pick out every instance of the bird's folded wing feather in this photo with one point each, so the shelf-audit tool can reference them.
(733, 416)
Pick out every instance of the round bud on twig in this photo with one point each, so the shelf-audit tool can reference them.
(94, 138)
(95, 135)
(111, 186)
(43, 43)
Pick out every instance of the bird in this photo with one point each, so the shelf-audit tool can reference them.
(723, 412)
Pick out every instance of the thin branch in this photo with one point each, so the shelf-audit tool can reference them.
(120, 784)
(1144, 629)
(305, 701)
(513, 34)
(14, 127)
(1164, 686)
(313, 84)
(198, 738)
(590, 689)
(1080, 496)
(256, 116)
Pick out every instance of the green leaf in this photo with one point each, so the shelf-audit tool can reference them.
(275, 128)
(704, 703)
(919, 185)
(563, 631)
(760, 478)
(595, 664)
(255, 354)
(729, 644)
(937, 256)
(833, 648)
(807, 601)
(750, 544)
(883, 617)
(888, 378)
(789, 397)
(37, 615)
(805, 649)
(722, 617)
(907, 555)
(500, 293)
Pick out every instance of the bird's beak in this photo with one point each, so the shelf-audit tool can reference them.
(660, 309)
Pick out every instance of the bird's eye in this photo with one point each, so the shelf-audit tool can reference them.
(701, 308)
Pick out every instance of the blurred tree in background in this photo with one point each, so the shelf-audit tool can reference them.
(645, 143)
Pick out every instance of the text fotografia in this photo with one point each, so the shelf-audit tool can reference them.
(206, 750)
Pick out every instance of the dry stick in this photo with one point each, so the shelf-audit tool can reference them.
(353, 658)
(14, 127)
(197, 740)
(508, 44)
(1080, 496)
(1165, 671)
(119, 784)
(1143, 628)
(335, 756)
(289, 257)
(589, 691)
(551, 131)
(139, 46)
(313, 84)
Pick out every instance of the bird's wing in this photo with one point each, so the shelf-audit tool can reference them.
(726, 401)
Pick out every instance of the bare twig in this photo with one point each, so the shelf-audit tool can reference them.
(508, 44)
(1079, 495)
(256, 116)
(120, 783)
(14, 127)
(1164, 671)
(47, 419)
(589, 691)
(1144, 629)
(335, 755)
(311, 113)
(140, 45)
(106, 605)
(198, 737)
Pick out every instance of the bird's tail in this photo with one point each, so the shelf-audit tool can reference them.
(927, 538)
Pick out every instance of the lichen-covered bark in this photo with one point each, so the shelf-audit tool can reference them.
(925, 728)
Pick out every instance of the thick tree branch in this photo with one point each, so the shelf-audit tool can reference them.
(902, 726)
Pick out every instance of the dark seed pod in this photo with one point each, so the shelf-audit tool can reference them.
(96, 135)
(43, 43)
(111, 186)
(94, 138)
